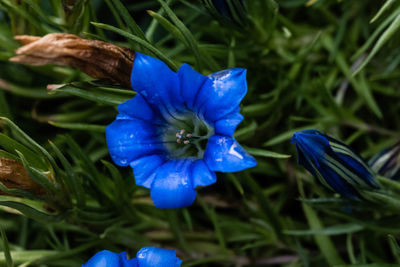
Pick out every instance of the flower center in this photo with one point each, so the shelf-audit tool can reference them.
(186, 136)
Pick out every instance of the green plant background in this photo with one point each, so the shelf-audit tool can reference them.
(327, 64)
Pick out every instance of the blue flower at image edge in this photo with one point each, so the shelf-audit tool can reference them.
(146, 257)
(334, 164)
(177, 131)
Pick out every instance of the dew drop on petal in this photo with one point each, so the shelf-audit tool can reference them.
(233, 152)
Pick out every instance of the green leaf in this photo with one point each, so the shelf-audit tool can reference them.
(23, 257)
(11, 146)
(383, 9)
(390, 31)
(79, 126)
(190, 40)
(381, 27)
(288, 135)
(129, 21)
(333, 230)
(33, 145)
(18, 192)
(266, 153)
(325, 244)
(140, 41)
(168, 26)
(91, 93)
(31, 212)
(6, 247)
(71, 178)
(29, 92)
(37, 175)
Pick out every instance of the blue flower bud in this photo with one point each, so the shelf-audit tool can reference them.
(334, 164)
(387, 162)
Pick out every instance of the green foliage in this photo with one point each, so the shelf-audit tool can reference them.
(325, 64)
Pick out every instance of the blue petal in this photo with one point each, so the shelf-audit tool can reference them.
(226, 155)
(223, 94)
(337, 183)
(124, 262)
(191, 82)
(157, 257)
(144, 169)
(156, 83)
(359, 169)
(202, 175)
(138, 108)
(228, 124)
(312, 143)
(128, 140)
(103, 258)
(172, 187)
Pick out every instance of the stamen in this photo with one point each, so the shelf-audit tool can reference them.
(181, 137)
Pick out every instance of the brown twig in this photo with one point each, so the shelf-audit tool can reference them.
(98, 59)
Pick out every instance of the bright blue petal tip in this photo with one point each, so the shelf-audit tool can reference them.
(106, 258)
(224, 154)
(172, 187)
(146, 257)
(157, 257)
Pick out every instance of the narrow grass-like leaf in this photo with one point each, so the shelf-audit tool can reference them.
(217, 228)
(394, 247)
(4, 108)
(91, 94)
(191, 41)
(332, 230)
(266, 153)
(79, 126)
(360, 86)
(6, 249)
(383, 9)
(129, 21)
(325, 244)
(36, 175)
(11, 145)
(35, 93)
(287, 135)
(18, 192)
(168, 26)
(235, 182)
(390, 31)
(29, 141)
(71, 178)
(33, 213)
(136, 39)
(381, 27)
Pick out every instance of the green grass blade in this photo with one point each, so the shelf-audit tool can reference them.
(383, 9)
(6, 247)
(140, 41)
(390, 31)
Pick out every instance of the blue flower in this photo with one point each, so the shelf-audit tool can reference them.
(146, 257)
(177, 131)
(334, 164)
(387, 162)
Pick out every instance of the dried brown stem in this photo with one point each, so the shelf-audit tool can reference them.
(14, 176)
(98, 59)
